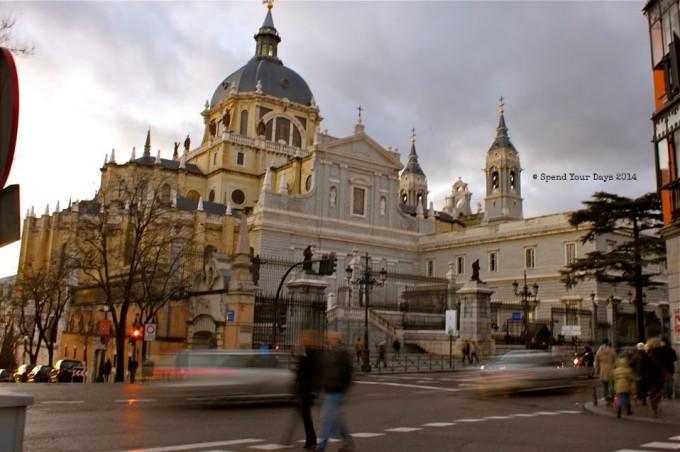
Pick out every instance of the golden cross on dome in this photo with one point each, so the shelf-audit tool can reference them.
(413, 135)
(360, 110)
(269, 3)
(501, 109)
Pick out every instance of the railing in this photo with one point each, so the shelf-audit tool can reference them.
(241, 140)
(410, 362)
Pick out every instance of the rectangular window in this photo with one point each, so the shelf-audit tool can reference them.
(460, 265)
(657, 41)
(214, 158)
(529, 257)
(663, 166)
(430, 267)
(569, 253)
(240, 158)
(358, 201)
(493, 261)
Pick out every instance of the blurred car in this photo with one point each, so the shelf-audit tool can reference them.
(67, 370)
(21, 374)
(39, 374)
(526, 370)
(6, 376)
(225, 376)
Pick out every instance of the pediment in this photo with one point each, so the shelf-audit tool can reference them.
(363, 147)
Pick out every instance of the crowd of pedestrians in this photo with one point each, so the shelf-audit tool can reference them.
(642, 376)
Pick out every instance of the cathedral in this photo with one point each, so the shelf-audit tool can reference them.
(265, 174)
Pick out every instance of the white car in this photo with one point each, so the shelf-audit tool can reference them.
(226, 376)
(526, 370)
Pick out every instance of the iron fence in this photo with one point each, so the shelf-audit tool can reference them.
(278, 323)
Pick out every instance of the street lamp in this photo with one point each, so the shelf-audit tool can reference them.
(366, 280)
(526, 295)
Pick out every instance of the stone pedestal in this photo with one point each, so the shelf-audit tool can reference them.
(307, 310)
(475, 318)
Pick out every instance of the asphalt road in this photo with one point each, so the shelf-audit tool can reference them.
(435, 412)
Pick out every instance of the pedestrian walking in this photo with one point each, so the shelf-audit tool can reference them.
(359, 348)
(132, 369)
(638, 362)
(667, 356)
(336, 378)
(382, 355)
(466, 353)
(107, 370)
(473, 352)
(307, 385)
(652, 374)
(604, 361)
(396, 345)
(624, 380)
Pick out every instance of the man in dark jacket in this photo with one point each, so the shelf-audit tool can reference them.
(306, 385)
(667, 356)
(336, 378)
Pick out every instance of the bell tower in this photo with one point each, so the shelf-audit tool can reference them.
(412, 182)
(503, 187)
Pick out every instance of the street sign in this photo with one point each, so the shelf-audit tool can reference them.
(150, 332)
(450, 326)
(104, 327)
(516, 316)
(230, 316)
(571, 330)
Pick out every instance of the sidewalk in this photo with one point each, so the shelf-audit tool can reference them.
(668, 412)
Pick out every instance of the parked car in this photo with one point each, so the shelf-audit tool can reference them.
(526, 370)
(225, 376)
(68, 370)
(21, 374)
(39, 374)
(6, 376)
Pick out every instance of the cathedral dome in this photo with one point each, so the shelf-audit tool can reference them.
(265, 73)
(274, 78)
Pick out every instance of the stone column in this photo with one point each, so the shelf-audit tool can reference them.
(612, 317)
(475, 317)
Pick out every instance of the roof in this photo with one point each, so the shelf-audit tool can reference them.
(502, 139)
(265, 72)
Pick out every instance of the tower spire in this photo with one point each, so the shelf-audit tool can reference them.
(267, 39)
(147, 144)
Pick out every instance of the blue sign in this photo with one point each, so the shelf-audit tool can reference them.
(516, 316)
(230, 316)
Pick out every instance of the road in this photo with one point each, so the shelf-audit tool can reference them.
(435, 411)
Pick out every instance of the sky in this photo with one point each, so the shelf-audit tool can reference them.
(575, 77)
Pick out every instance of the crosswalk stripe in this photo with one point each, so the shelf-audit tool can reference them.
(403, 429)
(366, 435)
(438, 424)
(200, 445)
(661, 445)
(270, 447)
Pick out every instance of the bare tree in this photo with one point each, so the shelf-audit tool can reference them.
(43, 295)
(7, 40)
(129, 249)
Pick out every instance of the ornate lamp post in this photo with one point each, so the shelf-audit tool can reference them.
(366, 280)
(527, 296)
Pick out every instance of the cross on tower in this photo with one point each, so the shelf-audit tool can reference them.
(501, 100)
(269, 3)
(360, 110)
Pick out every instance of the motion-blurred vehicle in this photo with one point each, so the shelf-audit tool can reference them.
(6, 376)
(584, 362)
(39, 374)
(68, 370)
(21, 374)
(225, 376)
(525, 370)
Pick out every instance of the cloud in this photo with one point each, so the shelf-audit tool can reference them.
(576, 78)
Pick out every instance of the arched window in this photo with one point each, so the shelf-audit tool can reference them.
(513, 187)
(193, 194)
(404, 198)
(281, 128)
(494, 181)
(211, 196)
(121, 189)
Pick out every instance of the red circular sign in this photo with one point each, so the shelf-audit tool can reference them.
(9, 113)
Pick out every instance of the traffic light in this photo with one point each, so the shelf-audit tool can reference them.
(323, 265)
(136, 334)
(327, 264)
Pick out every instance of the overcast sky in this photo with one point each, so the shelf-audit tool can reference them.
(575, 75)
